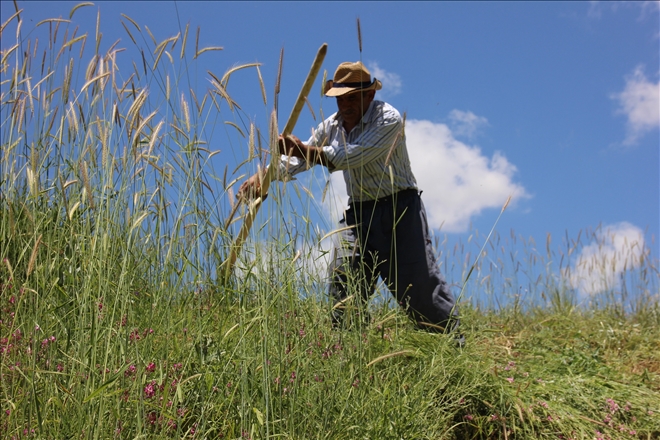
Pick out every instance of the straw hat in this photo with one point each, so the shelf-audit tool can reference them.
(351, 77)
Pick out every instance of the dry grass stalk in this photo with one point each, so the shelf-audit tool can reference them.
(30, 99)
(251, 146)
(72, 42)
(220, 90)
(279, 78)
(207, 49)
(94, 80)
(20, 112)
(134, 110)
(87, 183)
(154, 136)
(197, 42)
(359, 32)
(74, 128)
(78, 6)
(233, 124)
(51, 21)
(161, 48)
(103, 134)
(66, 87)
(336, 231)
(33, 256)
(6, 54)
(406, 353)
(98, 32)
(186, 112)
(65, 199)
(176, 128)
(132, 22)
(128, 32)
(9, 268)
(227, 75)
(32, 182)
(263, 87)
(4, 25)
(185, 40)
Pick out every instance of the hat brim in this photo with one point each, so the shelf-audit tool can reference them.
(332, 89)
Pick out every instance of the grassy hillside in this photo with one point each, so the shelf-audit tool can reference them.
(114, 322)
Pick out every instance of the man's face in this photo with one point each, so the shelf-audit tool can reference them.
(352, 106)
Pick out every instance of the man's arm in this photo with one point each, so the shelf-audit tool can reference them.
(293, 147)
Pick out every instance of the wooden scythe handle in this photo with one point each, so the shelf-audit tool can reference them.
(270, 173)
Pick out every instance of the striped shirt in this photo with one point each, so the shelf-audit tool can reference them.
(365, 155)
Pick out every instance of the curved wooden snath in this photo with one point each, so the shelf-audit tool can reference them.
(270, 173)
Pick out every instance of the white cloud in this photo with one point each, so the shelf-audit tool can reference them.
(458, 180)
(640, 103)
(646, 8)
(466, 124)
(598, 267)
(594, 12)
(391, 81)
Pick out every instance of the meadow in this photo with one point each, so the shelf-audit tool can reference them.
(117, 320)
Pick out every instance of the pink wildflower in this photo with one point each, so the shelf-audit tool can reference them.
(130, 370)
(149, 390)
(613, 406)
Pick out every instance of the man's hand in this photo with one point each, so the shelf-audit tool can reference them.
(292, 146)
(251, 188)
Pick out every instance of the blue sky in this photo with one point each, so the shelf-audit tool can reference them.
(555, 104)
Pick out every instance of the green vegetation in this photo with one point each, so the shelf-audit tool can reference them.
(114, 324)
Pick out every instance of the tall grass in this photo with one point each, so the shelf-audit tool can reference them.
(115, 322)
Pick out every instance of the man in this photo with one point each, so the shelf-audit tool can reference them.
(386, 233)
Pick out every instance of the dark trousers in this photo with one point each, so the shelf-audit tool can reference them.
(389, 238)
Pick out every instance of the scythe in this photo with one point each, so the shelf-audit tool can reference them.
(254, 205)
